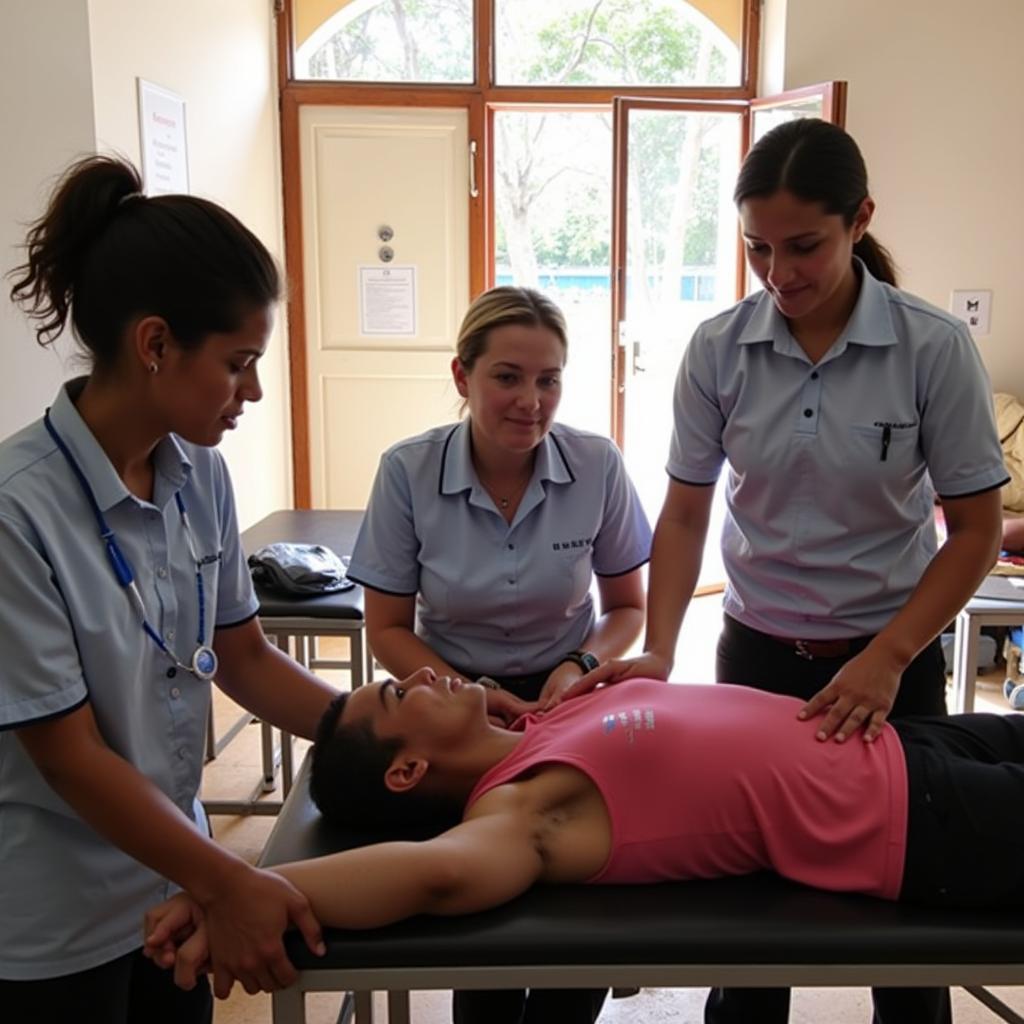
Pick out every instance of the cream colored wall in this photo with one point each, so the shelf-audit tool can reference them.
(45, 121)
(935, 103)
(220, 57)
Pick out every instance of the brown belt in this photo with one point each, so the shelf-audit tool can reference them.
(811, 649)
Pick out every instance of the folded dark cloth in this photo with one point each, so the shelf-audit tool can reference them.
(299, 570)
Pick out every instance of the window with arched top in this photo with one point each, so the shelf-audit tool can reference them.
(637, 43)
(384, 40)
(595, 144)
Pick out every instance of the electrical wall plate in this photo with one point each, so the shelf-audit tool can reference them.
(974, 306)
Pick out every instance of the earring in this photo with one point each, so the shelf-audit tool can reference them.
(153, 368)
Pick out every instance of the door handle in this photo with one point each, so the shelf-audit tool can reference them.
(637, 354)
(473, 190)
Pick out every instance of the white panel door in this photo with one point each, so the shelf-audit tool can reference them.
(363, 170)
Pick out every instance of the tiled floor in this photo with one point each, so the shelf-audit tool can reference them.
(237, 770)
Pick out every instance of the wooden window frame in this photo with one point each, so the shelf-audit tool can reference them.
(479, 99)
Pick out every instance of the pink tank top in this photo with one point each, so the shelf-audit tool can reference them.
(706, 781)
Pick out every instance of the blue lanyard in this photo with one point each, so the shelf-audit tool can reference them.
(123, 570)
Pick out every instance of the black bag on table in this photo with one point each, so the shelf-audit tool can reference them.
(299, 570)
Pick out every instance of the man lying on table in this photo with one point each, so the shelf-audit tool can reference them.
(639, 782)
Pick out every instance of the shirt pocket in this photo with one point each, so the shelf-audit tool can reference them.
(578, 569)
(891, 447)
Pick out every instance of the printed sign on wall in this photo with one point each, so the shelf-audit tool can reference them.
(162, 140)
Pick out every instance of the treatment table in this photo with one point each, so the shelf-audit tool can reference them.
(753, 931)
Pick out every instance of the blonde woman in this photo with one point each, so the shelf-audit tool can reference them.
(482, 541)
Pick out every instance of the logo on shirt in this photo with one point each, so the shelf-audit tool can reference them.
(631, 722)
(894, 426)
(568, 545)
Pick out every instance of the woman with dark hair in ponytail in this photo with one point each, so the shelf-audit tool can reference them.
(842, 406)
(124, 591)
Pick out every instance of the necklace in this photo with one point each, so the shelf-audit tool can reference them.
(504, 502)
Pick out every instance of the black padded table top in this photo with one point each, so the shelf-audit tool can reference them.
(334, 528)
(758, 919)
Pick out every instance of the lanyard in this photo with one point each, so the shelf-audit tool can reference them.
(204, 661)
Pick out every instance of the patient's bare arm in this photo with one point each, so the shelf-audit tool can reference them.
(481, 863)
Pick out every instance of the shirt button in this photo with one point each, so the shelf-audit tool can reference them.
(808, 413)
(511, 547)
(814, 376)
(172, 672)
(511, 582)
(182, 753)
(170, 634)
(162, 573)
(175, 692)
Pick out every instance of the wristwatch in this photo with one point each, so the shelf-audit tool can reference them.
(586, 661)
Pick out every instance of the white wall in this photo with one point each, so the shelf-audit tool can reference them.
(46, 120)
(220, 57)
(935, 104)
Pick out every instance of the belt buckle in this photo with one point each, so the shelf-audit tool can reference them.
(801, 649)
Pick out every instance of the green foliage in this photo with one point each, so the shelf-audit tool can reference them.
(581, 237)
(401, 40)
(644, 42)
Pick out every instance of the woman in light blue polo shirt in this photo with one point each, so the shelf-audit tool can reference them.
(482, 540)
(842, 406)
(123, 586)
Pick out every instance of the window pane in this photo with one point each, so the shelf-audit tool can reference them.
(633, 42)
(552, 192)
(680, 270)
(766, 118)
(386, 41)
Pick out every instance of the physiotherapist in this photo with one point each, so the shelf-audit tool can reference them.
(482, 540)
(124, 593)
(841, 405)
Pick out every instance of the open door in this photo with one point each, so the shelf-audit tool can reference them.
(677, 258)
(674, 255)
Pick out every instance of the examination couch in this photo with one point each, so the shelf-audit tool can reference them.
(752, 931)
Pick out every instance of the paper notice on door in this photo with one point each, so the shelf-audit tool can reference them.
(387, 301)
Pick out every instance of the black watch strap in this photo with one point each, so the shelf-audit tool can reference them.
(586, 661)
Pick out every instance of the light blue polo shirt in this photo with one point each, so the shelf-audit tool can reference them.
(829, 522)
(69, 634)
(494, 597)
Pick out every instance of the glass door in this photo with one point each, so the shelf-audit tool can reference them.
(552, 231)
(675, 246)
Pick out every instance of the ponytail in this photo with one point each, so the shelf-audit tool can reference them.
(85, 202)
(103, 254)
(876, 258)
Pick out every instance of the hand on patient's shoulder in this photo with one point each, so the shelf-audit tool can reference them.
(503, 708)
(644, 666)
(558, 683)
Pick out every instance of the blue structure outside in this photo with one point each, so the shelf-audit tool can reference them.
(694, 284)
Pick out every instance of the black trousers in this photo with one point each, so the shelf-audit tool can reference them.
(128, 990)
(749, 658)
(965, 833)
(539, 1005)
